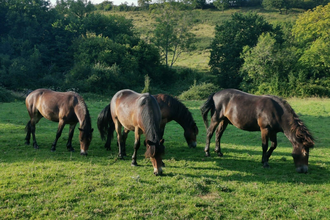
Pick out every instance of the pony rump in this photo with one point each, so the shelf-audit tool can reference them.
(206, 107)
(298, 128)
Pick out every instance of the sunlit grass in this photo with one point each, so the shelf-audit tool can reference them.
(41, 184)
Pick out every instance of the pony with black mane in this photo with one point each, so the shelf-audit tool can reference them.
(268, 114)
(170, 108)
(64, 108)
(173, 109)
(139, 113)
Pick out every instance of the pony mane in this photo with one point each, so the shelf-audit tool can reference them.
(150, 121)
(83, 110)
(181, 111)
(297, 126)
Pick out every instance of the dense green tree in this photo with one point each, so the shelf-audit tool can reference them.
(268, 66)
(221, 4)
(311, 31)
(230, 38)
(172, 32)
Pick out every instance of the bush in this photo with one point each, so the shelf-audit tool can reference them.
(199, 92)
(5, 95)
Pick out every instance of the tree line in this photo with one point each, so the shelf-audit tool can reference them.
(73, 47)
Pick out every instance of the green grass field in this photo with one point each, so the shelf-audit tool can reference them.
(40, 184)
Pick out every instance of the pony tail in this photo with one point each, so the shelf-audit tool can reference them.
(105, 123)
(206, 107)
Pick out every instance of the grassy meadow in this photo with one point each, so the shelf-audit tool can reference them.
(40, 184)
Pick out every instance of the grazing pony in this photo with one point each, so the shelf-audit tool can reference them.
(173, 109)
(170, 108)
(139, 113)
(64, 108)
(268, 114)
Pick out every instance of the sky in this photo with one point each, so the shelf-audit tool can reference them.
(115, 2)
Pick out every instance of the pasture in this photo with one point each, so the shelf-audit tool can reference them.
(40, 184)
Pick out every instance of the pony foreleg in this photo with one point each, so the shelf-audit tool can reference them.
(119, 138)
(264, 137)
(69, 143)
(221, 128)
(58, 134)
(273, 139)
(28, 133)
(125, 134)
(136, 147)
(33, 131)
(209, 135)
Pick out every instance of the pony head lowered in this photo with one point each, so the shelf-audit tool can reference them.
(300, 137)
(180, 113)
(86, 131)
(151, 118)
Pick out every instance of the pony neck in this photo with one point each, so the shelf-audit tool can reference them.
(182, 116)
(82, 114)
(294, 128)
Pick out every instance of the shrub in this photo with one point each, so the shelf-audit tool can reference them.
(5, 95)
(199, 92)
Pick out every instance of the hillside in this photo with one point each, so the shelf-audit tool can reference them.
(204, 24)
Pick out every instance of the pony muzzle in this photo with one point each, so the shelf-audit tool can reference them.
(83, 153)
(193, 144)
(302, 169)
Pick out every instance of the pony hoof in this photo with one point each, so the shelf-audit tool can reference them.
(52, 150)
(108, 149)
(71, 149)
(266, 165)
(134, 164)
(207, 154)
(220, 154)
(83, 153)
(27, 143)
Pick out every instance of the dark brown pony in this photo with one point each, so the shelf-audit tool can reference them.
(139, 113)
(173, 109)
(64, 108)
(170, 108)
(268, 114)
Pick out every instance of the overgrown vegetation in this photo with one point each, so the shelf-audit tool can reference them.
(74, 46)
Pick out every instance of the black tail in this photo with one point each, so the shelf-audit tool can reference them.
(105, 124)
(206, 107)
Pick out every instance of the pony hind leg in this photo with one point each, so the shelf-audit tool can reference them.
(264, 137)
(58, 134)
(32, 126)
(221, 128)
(28, 133)
(214, 123)
(119, 138)
(69, 143)
(124, 136)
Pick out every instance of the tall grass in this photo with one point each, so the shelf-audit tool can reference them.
(41, 184)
